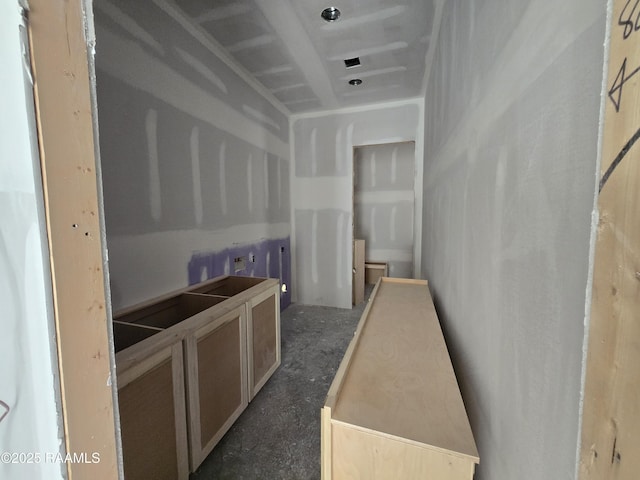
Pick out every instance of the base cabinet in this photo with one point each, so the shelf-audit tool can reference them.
(216, 381)
(187, 364)
(152, 416)
(394, 409)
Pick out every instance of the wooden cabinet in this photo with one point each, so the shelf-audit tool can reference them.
(193, 359)
(263, 334)
(216, 362)
(394, 409)
(151, 399)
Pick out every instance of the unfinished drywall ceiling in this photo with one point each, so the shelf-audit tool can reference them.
(29, 417)
(195, 159)
(384, 199)
(511, 135)
(322, 192)
(299, 57)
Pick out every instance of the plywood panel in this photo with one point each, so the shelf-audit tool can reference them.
(373, 271)
(359, 454)
(358, 271)
(147, 420)
(611, 416)
(216, 380)
(220, 377)
(265, 337)
(63, 104)
(400, 380)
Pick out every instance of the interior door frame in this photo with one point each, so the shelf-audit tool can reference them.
(60, 33)
(417, 199)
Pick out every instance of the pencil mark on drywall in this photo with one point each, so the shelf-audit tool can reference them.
(195, 172)
(618, 159)
(4, 410)
(202, 69)
(629, 19)
(615, 93)
(223, 180)
(155, 198)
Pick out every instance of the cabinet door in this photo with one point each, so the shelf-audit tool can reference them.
(263, 337)
(153, 417)
(216, 380)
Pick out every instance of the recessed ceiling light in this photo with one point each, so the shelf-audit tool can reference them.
(355, 81)
(330, 14)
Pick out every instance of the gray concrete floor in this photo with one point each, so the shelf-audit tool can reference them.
(278, 435)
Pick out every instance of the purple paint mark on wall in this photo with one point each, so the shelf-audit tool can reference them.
(266, 258)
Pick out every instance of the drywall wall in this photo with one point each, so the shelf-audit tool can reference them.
(511, 132)
(28, 385)
(384, 182)
(322, 191)
(195, 160)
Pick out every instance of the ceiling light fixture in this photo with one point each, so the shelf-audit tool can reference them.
(330, 14)
(355, 81)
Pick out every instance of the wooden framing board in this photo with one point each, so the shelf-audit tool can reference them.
(263, 338)
(374, 270)
(210, 391)
(610, 437)
(358, 271)
(396, 382)
(153, 416)
(64, 120)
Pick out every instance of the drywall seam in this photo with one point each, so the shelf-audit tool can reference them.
(548, 46)
(319, 193)
(138, 67)
(129, 24)
(418, 187)
(595, 219)
(285, 21)
(292, 211)
(218, 50)
(433, 41)
(360, 108)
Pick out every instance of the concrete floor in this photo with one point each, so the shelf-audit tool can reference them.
(278, 435)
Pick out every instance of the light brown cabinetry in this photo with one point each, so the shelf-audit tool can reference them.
(192, 359)
(394, 409)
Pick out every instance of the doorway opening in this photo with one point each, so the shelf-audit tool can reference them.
(384, 183)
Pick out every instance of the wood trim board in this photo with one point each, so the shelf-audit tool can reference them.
(610, 438)
(62, 92)
(396, 382)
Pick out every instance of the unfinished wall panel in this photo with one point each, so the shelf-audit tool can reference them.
(322, 192)
(195, 160)
(384, 182)
(511, 134)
